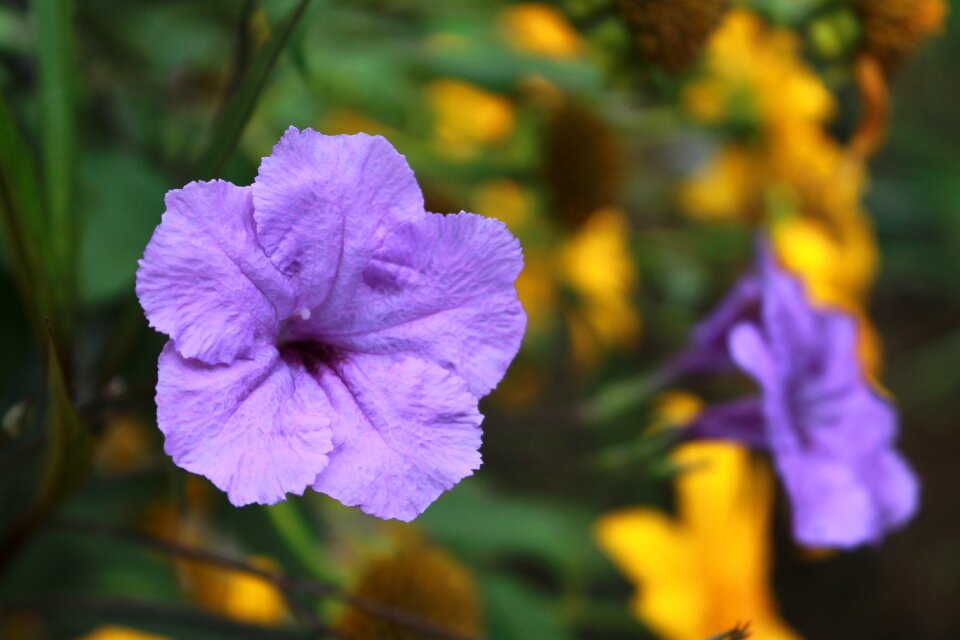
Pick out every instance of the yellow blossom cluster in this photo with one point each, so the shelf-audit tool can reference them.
(786, 172)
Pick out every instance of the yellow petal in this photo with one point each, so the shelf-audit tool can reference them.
(468, 117)
(239, 595)
(598, 265)
(540, 29)
(114, 632)
(660, 558)
(724, 189)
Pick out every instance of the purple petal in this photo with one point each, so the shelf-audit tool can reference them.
(895, 487)
(851, 422)
(439, 289)
(406, 431)
(740, 420)
(789, 319)
(708, 348)
(325, 203)
(205, 282)
(749, 349)
(258, 428)
(832, 507)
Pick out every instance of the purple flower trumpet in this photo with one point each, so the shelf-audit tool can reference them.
(327, 332)
(830, 434)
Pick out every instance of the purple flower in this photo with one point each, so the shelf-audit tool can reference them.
(327, 332)
(832, 437)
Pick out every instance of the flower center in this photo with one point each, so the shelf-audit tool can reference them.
(314, 355)
(297, 342)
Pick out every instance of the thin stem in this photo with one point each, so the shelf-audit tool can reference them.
(283, 582)
(291, 527)
(620, 397)
(141, 611)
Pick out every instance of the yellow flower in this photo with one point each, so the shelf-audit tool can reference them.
(837, 267)
(725, 188)
(675, 409)
(755, 71)
(236, 594)
(540, 29)
(755, 74)
(467, 118)
(505, 200)
(597, 265)
(708, 569)
(114, 632)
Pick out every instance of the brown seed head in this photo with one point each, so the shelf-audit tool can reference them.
(584, 164)
(893, 30)
(416, 581)
(671, 33)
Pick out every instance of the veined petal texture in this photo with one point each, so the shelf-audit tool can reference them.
(440, 289)
(258, 428)
(203, 279)
(406, 431)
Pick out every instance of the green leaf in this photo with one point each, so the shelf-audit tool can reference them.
(236, 111)
(485, 525)
(517, 612)
(119, 216)
(22, 214)
(292, 527)
(69, 447)
(56, 73)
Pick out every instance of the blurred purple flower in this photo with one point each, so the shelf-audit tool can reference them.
(326, 331)
(832, 437)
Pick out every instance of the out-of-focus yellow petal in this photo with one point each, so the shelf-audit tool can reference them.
(748, 59)
(714, 560)
(724, 189)
(537, 291)
(238, 595)
(540, 29)
(114, 632)
(724, 498)
(596, 262)
(505, 200)
(805, 248)
(468, 117)
(707, 100)
(674, 409)
(660, 557)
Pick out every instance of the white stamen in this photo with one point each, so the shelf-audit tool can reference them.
(304, 313)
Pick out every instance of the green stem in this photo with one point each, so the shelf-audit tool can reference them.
(620, 397)
(290, 525)
(238, 106)
(56, 75)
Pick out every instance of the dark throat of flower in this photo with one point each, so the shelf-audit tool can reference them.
(314, 355)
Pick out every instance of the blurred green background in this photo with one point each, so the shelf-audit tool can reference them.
(583, 125)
